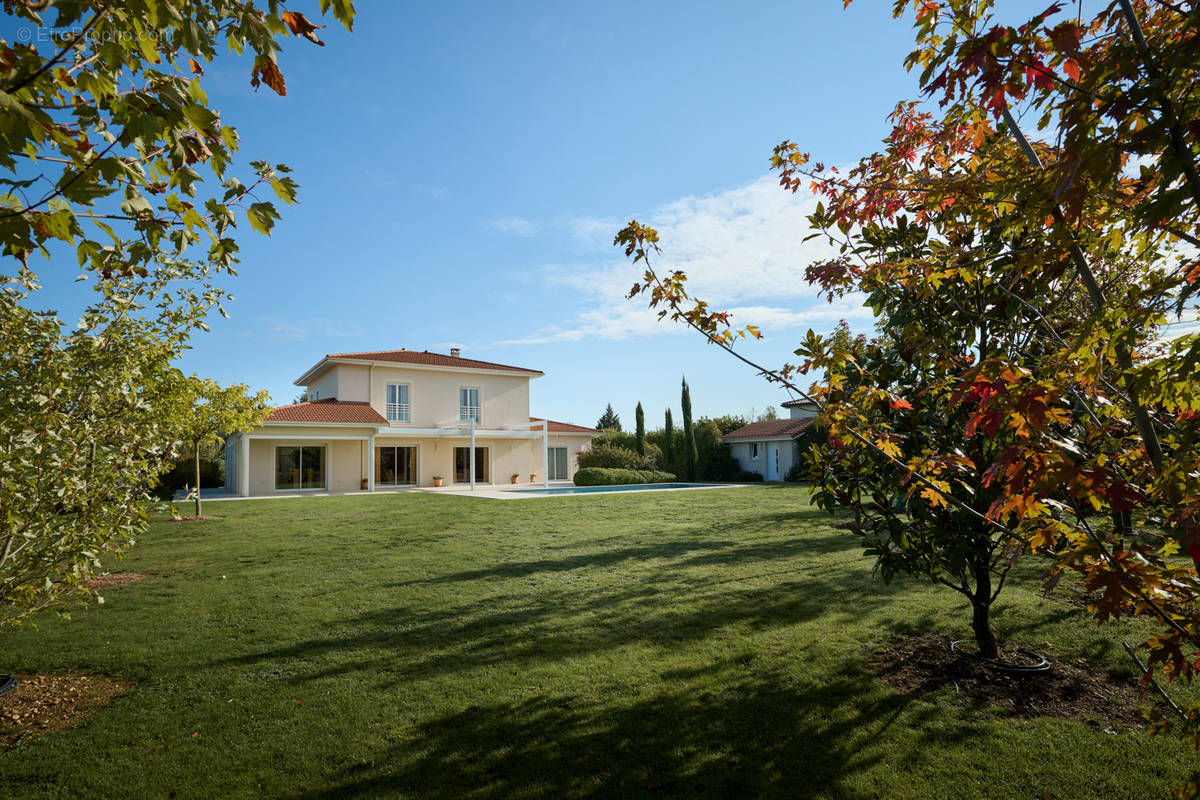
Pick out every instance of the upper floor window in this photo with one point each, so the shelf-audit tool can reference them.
(398, 408)
(468, 404)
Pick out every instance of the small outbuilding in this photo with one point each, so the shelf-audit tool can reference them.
(770, 447)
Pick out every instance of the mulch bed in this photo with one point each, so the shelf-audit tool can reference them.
(113, 579)
(43, 703)
(922, 664)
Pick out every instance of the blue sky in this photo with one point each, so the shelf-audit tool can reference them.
(465, 166)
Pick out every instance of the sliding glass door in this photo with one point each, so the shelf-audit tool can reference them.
(300, 467)
(556, 464)
(395, 466)
(462, 465)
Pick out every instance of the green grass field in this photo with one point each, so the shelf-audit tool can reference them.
(687, 644)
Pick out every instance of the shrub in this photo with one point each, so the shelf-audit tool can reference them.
(608, 456)
(718, 463)
(797, 473)
(747, 476)
(183, 474)
(599, 476)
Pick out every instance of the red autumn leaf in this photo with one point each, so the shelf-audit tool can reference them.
(997, 101)
(195, 67)
(899, 403)
(1066, 38)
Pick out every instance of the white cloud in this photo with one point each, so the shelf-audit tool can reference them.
(512, 226)
(743, 250)
(298, 330)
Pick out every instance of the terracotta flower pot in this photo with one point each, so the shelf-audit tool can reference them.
(437, 481)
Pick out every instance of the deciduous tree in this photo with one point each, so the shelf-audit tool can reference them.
(204, 411)
(1046, 207)
(115, 161)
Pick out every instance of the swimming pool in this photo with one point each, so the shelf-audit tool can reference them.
(623, 487)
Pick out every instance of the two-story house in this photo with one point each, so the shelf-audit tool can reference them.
(400, 418)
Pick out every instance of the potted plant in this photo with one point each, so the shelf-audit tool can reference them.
(514, 477)
(437, 480)
(364, 484)
(532, 478)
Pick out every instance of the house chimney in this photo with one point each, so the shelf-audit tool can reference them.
(454, 351)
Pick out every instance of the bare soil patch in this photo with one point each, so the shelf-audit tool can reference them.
(194, 518)
(921, 664)
(114, 579)
(43, 703)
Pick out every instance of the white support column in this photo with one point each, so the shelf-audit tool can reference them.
(472, 452)
(546, 453)
(243, 467)
(370, 463)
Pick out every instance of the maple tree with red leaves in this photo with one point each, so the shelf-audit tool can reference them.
(1025, 237)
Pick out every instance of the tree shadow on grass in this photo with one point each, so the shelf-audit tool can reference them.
(699, 548)
(516, 624)
(758, 736)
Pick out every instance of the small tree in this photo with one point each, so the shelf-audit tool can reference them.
(206, 411)
(609, 420)
(640, 417)
(669, 439)
(81, 436)
(768, 414)
(691, 457)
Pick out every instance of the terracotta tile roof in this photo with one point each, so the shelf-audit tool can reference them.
(429, 359)
(771, 429)
(563, 427)
(330, 410)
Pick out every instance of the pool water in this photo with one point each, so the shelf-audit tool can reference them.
(624, 487)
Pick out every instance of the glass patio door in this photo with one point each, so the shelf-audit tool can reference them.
(556, 464)
(462, 465)
(395, 466)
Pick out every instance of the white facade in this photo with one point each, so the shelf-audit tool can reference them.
(372, 424)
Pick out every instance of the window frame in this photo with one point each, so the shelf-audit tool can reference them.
(462, 387)
(408, 403)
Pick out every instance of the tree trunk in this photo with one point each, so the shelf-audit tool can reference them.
(981, 606)
(197, 487)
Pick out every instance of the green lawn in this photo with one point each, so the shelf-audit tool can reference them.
(690, 644)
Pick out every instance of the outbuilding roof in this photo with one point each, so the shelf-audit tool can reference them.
(563, 427)
(771, 429)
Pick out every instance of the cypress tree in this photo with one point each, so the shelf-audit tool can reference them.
(690, 455)
(669, 443)
(641, 430)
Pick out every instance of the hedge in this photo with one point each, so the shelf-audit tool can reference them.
(600, 476)
(609, 456)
